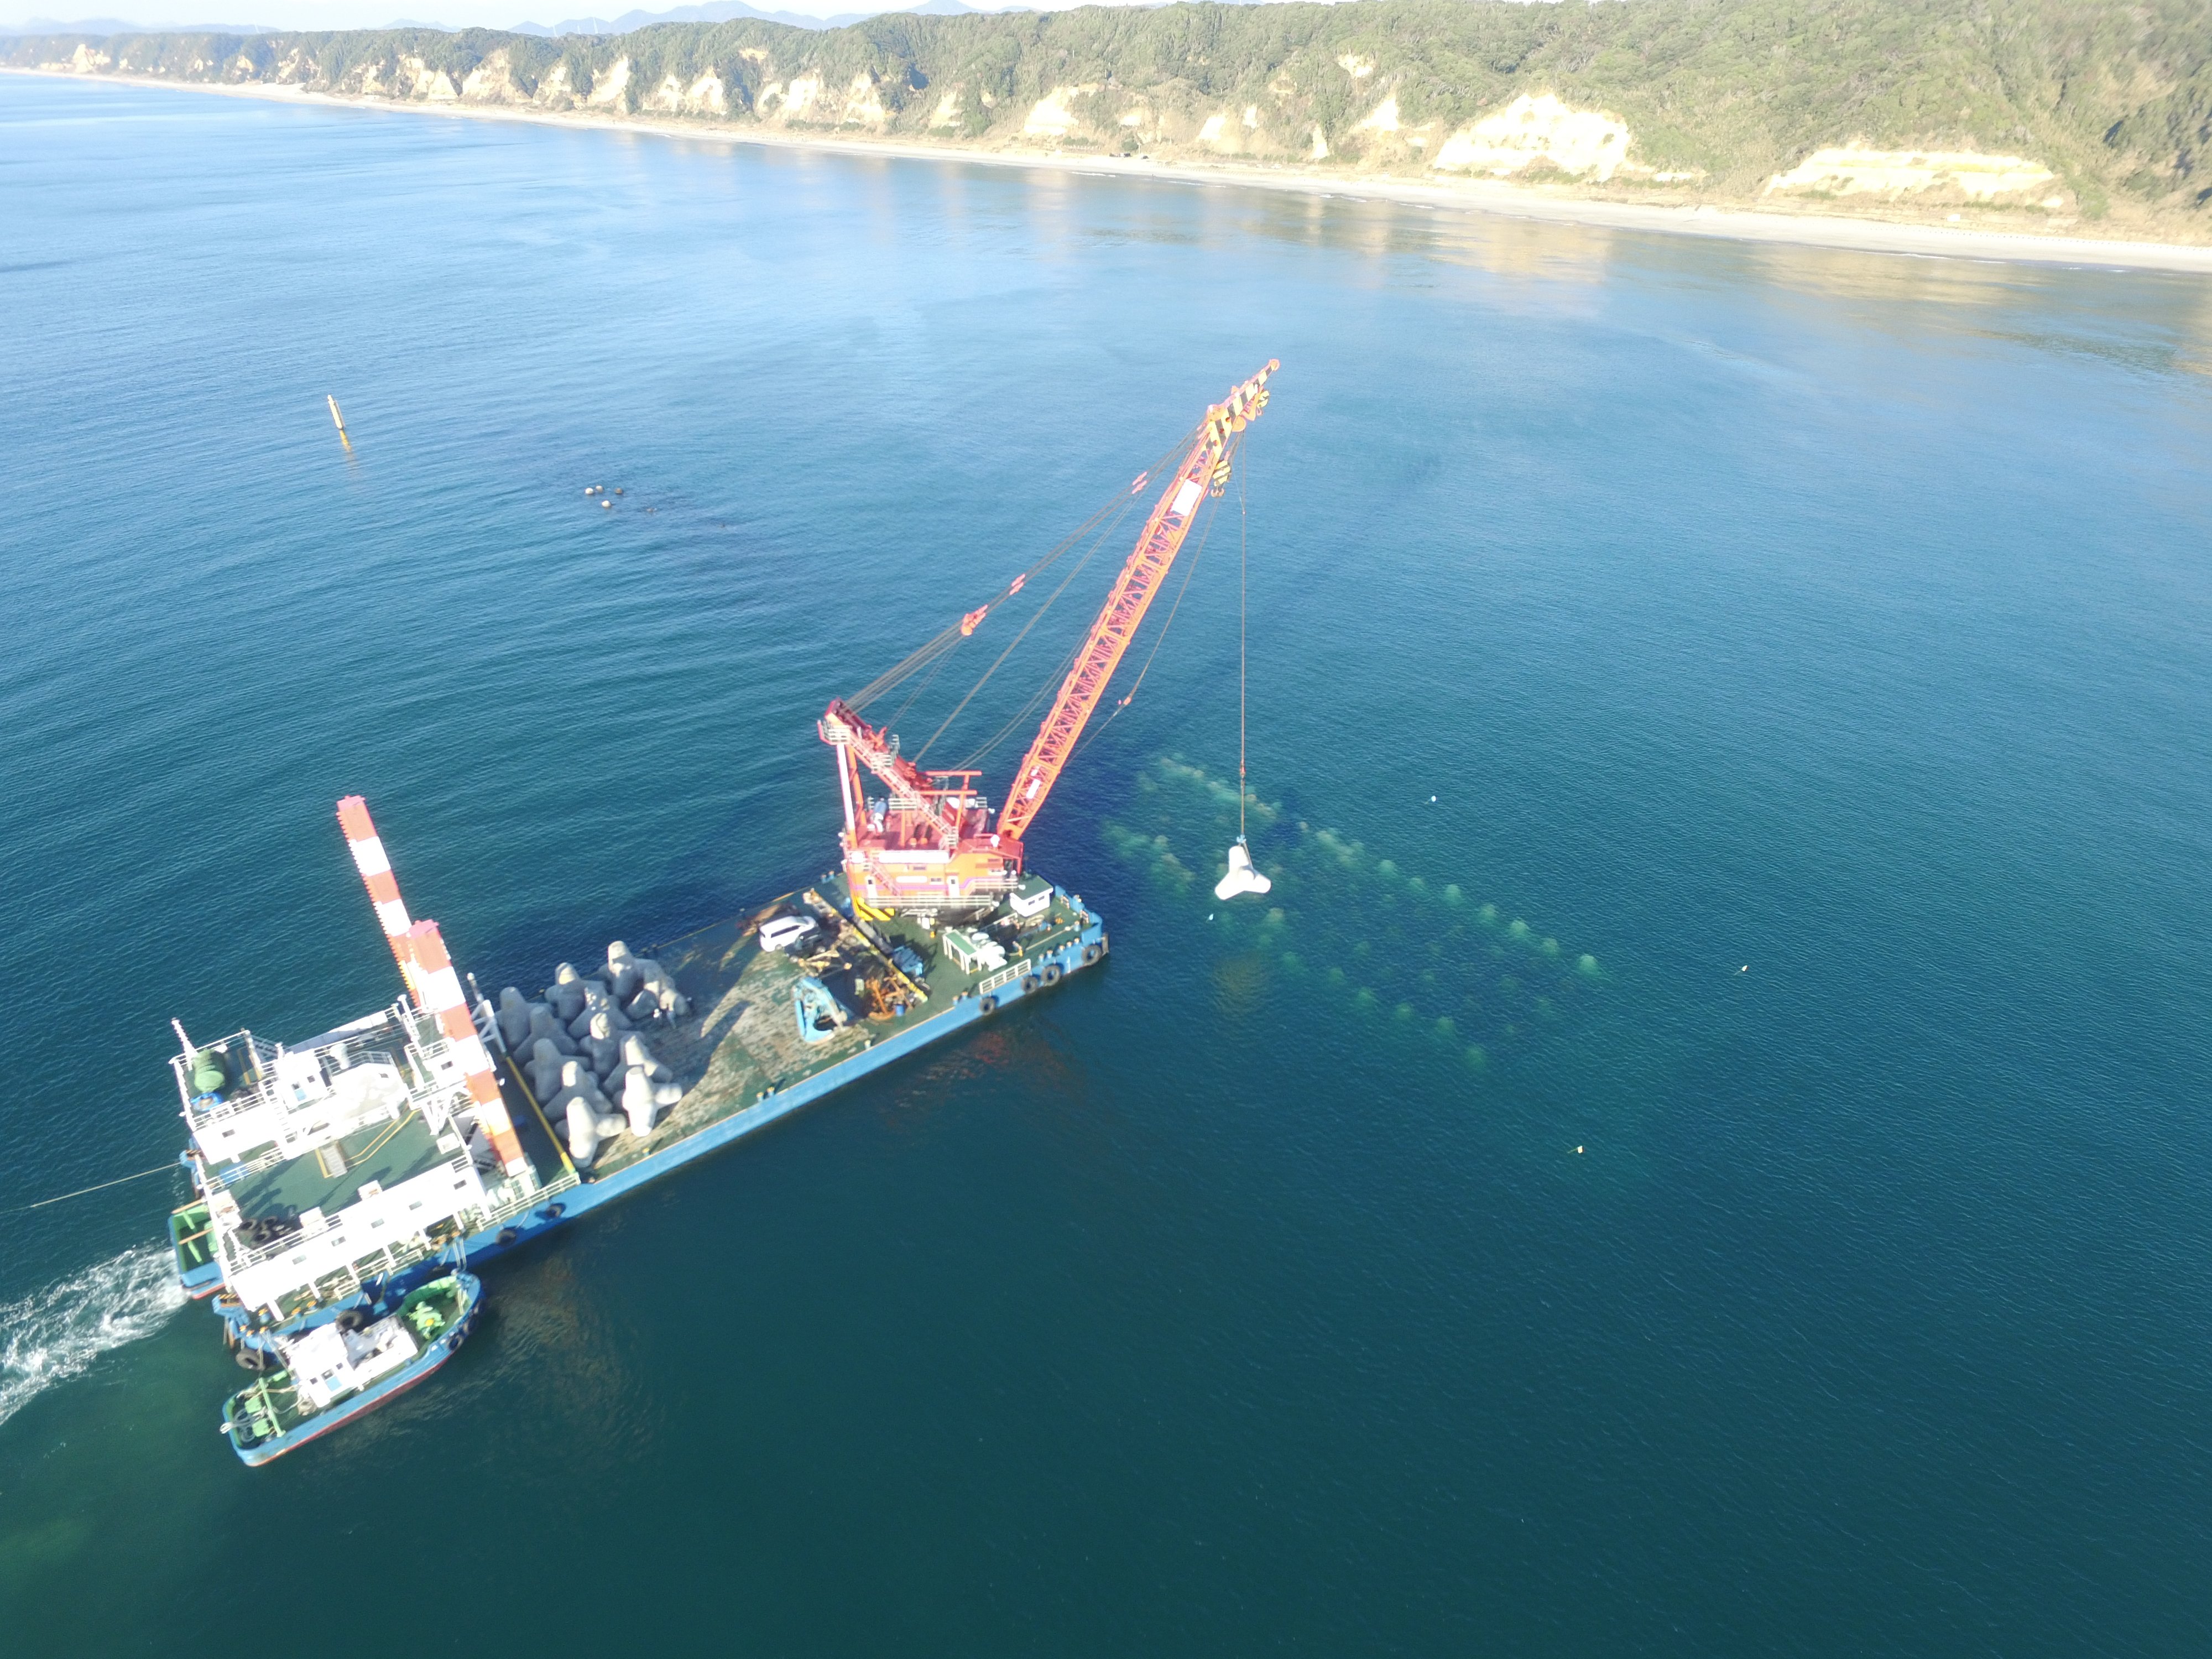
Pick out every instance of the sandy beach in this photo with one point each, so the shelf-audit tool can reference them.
(1852, 233)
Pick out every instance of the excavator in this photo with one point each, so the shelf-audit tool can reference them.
(927, 841)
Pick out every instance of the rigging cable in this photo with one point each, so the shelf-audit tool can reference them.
(1057, 677)
(1160, 639)
(927, 680)
(1035, 618)
(949, 637)
(1242, 538)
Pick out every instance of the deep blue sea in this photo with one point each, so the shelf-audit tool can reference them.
(1704, 1152)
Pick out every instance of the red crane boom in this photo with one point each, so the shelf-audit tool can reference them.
(928, 844)
(1125, 605)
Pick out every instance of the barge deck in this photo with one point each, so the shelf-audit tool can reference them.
(738, 1053)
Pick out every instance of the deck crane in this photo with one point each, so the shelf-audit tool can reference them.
(929, 843)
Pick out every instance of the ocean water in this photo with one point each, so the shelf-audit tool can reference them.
(1704, 1152)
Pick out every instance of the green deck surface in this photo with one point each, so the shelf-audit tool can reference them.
(387, 1153)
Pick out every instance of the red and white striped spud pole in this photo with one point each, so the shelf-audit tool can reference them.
(438, 987)
(368, 857)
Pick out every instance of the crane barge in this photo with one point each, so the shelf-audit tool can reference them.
(346, 1186)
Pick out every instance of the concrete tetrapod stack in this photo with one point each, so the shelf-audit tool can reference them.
(602, 1047)
(545, 1069)
(514, 1022)
(589, 1117)
(545, 1027)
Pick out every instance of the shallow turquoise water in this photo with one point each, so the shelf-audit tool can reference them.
(1841, 617)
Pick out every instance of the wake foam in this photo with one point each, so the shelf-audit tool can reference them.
(56, 1333)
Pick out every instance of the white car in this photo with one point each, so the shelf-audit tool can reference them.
(785, 931)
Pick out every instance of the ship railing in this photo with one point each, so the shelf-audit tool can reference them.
(438, 1100)
(268, 1090)
(1052, 940)
(226, 1175)
(511, 1199)
(1005, 976)
(367, 1046)
(238, 1254)
(263, 1055)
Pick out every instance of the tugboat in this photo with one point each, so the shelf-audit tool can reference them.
(333, 1373)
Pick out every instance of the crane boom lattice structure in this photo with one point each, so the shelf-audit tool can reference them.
(929, 843)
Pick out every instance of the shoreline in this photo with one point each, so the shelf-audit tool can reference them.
(1497, 200)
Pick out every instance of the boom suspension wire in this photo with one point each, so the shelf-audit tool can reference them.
(1242, 543)
(1020, 716)
(1102, 521)
(1037, 617)
(921, 686)
(1160, 639)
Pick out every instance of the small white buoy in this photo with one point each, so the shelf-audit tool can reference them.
(607, 504)
(1432, 800)
(1578, 1151)
(1744, 969)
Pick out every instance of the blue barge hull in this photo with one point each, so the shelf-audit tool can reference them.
(967, 999)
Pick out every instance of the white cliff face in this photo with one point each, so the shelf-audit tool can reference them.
(705, 96)
(1532, 135)
(1893, 174)
(435, 86)
(491, 82)
(1383, 118)
(797, 100)
(1231, 132)
(864, 103)
(1582, 143)
(609, 88)
(1052, 117)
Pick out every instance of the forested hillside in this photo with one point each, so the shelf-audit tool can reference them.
(2056, 109)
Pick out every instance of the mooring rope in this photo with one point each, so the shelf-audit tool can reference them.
(102, 1187)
